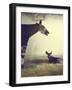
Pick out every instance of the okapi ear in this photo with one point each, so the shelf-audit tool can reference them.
(51, 52)
(46, 52)
(40, 22)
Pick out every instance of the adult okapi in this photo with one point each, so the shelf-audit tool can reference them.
(52, 59)
(27, 30)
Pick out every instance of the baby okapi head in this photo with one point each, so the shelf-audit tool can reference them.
(48, 54)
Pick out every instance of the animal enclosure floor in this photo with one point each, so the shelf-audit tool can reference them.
(41, 69)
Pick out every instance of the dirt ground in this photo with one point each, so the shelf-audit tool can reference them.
(41, 68)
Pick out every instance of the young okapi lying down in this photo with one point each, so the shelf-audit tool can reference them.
(52, 59)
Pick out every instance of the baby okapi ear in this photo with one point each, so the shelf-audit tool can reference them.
(50, 52)
(46, 52)
(40, 22)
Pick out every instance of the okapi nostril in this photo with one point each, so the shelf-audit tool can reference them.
(46, 32)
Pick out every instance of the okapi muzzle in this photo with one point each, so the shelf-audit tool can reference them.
(46, 33)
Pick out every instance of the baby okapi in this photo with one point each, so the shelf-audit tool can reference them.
(52, 59)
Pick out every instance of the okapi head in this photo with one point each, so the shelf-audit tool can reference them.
(42, 28)
(48, 54)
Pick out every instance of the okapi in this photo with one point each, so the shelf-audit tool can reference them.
(52, 59)
(27, 30)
